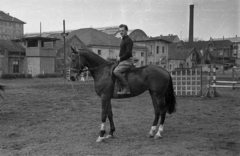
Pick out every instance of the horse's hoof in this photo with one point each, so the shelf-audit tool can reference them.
(109, 136)
(100, 139)
(150, 135)
(157, 137)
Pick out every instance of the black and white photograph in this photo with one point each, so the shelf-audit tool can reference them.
(120, 78)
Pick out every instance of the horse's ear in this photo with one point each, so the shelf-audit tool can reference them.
(74, 50)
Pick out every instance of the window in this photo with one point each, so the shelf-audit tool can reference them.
(193, 56)
(150, 49)
(111, 54)
(150, 62)
(32, 43)
(170, 67)
(163, 50)
(134, 54)
(210, 47)
(157, 63)
(142, 54)
(141, 63)
(15, 66)
(157, 49)
(99, 52)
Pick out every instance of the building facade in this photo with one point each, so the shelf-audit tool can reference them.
(12, 57)
(182, 57)
(10, 27)
(157, 51)
(40, 55)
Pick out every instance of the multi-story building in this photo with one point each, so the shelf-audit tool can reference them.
(10, 27)
(235, 47)
(157, 51)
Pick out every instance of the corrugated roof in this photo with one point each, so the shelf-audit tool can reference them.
(7, 17)
(11, 46)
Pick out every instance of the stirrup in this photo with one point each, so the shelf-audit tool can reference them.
(124, 91)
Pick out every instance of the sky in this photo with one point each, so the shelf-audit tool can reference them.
(212, 18)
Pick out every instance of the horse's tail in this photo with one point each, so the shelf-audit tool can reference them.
(2, 87)
(170, 98)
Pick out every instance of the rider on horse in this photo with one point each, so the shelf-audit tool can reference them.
(125, 58)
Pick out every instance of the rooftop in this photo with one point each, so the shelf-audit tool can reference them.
(6, 17)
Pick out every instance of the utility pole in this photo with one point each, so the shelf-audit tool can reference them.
(64, 35)
(40, 29)
(223, 61)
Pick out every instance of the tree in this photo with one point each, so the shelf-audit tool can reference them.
(195, 39)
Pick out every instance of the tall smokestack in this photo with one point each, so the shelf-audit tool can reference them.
(191, 23)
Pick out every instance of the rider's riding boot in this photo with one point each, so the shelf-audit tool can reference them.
(126, 89)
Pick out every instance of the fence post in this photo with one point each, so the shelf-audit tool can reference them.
(215, 93)
(233, 73)
(68, 75)
(207, 94)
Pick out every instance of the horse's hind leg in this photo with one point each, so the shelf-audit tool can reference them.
(160, 129)
(157, 114)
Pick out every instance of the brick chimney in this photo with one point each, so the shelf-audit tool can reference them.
(191, 21)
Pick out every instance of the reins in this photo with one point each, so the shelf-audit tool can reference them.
(89, 69)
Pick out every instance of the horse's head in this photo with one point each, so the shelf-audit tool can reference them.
(77, 63)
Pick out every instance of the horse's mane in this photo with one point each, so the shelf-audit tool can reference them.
(94, 57)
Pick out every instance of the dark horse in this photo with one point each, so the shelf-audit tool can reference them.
(2, 89)
(155, 79)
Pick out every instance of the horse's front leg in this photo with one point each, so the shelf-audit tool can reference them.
(105, 108)
(110, 117)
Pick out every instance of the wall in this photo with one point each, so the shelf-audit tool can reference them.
(47, 52)
(173, 64)
(47, 65)
(189, 61)
(32, 51)
(5, 61)
(106, 52)
(33, 64)
(21, 64)
(10, 30)
(140, 58)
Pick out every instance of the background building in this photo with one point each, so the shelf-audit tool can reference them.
(157, 51)
(106, 46)
(12, 57)
(10, 27)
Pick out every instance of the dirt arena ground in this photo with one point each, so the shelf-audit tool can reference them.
(49, 117)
